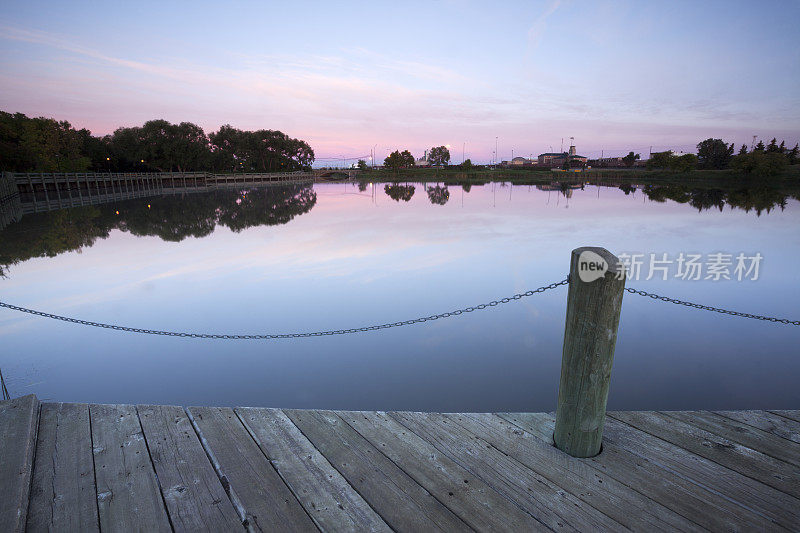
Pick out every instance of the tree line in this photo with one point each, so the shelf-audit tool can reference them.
(438, 156)
(715, 154)
(46, 145)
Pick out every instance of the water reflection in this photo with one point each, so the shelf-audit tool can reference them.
(758, 199)
(399, 192)
(174, 218)
(358, 259)
(438, 195)
(171, 218)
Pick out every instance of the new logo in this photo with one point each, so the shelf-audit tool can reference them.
(591, 266)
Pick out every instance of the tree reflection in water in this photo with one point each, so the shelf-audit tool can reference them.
(174, 218)
(758, 199)
(438, 195)
(399, 192)
(171, 218)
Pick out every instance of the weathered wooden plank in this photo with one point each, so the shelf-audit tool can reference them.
(744, 434)
(597, 488)
(269, 504)
(779, 474)
(19, 420)
(63, 495)
(469, 497)
(327, 497)
(194, 495)
(549, 503)
(401, 501)
(128, 496)
(790, 414)
(648, 476)
(766, 421)
(540, 425)
(745, 491)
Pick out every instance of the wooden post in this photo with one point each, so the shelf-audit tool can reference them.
(590, 333)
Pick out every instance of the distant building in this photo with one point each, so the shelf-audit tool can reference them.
(557, 159)
(423, 161)
(608, 162)
(518, 162)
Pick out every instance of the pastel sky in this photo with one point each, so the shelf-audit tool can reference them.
(616, 75)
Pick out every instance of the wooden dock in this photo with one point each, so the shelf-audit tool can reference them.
(69, 467)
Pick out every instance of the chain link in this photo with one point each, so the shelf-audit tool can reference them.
(714, 309)
(388, 325)
(430, 318)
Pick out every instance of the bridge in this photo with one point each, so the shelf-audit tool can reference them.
(23, 193)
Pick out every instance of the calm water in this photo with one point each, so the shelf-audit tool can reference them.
(333, 256)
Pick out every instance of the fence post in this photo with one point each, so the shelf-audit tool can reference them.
(590, 333)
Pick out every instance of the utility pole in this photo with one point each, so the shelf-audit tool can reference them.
(496, 155)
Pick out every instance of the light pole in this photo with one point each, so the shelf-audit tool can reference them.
(496, 155)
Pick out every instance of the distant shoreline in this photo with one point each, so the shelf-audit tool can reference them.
(454, 175)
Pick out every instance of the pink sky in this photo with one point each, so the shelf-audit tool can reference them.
(615, 76)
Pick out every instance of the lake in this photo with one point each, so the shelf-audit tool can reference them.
(341, 255)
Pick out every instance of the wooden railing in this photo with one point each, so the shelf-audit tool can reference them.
(38, 192)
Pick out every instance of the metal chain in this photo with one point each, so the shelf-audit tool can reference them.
(430, 318)
(289, 335)
(714, 309)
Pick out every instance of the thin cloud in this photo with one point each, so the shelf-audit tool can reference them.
(536, 31)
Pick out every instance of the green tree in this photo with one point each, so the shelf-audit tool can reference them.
(743, 150)
(398, 160)
(760, 163)
(361, 165)
(466, 165)
(792, 154)
(630, 159)
(41, 145)
(683, 163)
(439, 156)
(772, 147)
(659, 160)
(45, 145)
(258, 151)
(714, 154)
(760, 146)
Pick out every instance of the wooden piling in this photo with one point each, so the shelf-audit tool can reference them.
(590, 334)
